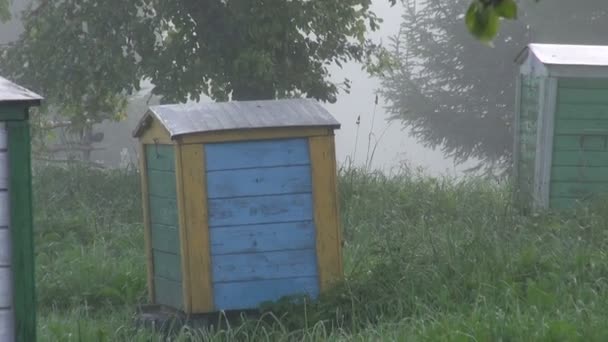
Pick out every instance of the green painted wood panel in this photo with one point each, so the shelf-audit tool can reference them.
(163, 211)
(582, 96)
(22, 229)
(167, 265)
(582, 158)
(527, 130)
(582, 111)
(580, 127)
(164, 223)
(13, 112)
(160, 157)
(579, 174)
(565, 203)
(165, 238)
(162, 184)
(577, 189)
(168, 292)
(583, 83)
(580, 143)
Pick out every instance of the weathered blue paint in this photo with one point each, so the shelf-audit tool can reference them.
(261, 222)
(246, 295)
(260, 181)
(267, 265)
(260, 209)
(263, 238)
(256, 154)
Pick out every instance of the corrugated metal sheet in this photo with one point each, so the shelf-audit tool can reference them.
(10, 92)
(563, 54)
(182, 119)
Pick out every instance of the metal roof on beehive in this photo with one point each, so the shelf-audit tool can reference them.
(180, 119)
(564, 54)
(11, 92)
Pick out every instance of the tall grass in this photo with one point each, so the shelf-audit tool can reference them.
(426, 259)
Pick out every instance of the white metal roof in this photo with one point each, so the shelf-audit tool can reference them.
(181, 119)
(563, 54)
(10, 92)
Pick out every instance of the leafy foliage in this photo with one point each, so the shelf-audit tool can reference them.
(453, 93)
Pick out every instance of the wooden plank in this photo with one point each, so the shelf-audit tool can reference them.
(325, 191)
(13, 112)
(581, 158)
(580, 143)
(162, 184)
(577, 189)
(22, 233)
(168, 293)
(263, 238)
(580, 174)
(249, 295)
(253, 134)
(6, 288)
(155, 133)
(566, 203)
(517, 141)
(167, 265)
(4, 209)
(7, 325)
(160, 157)
(143, 169)
(266, 265)
(582, 96)
(195, 205)
(183, 230)
(262, 209)
(546, 144)
(163, 211)
(5, 246)
(583, 83)
(256, 182)
(582, 111)
(165, 238)
(580, 127)
(256, 154)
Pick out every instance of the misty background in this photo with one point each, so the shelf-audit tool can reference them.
(381, 133)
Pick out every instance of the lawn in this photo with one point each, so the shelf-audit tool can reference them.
(426, 259)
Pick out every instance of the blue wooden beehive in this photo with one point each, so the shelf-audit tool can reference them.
(240, 203)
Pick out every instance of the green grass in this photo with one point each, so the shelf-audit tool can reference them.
(426, 260)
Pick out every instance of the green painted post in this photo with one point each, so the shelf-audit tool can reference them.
(17, 282)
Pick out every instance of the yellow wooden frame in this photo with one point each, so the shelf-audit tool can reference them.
(147, 229)
(253, 134)
(326, 211)
(197, 246)
(156, 133)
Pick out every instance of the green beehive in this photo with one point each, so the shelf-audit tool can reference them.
(17, 293)
(561, 125)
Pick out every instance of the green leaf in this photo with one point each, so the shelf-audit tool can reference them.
(482, 21)
(5, 12)
(507, 9)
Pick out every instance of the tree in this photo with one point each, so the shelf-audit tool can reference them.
(459, 96)
(87, 57)
(453, 93)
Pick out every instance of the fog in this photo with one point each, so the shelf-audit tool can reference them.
(394, 146)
